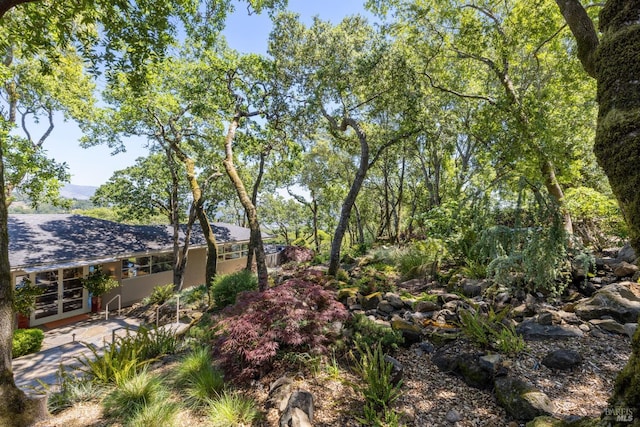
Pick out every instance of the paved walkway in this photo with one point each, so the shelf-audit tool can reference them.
(62, 345)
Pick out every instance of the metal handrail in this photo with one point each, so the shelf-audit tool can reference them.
(177, 310)
(106, 309)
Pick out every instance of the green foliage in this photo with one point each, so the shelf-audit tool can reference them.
(26, 341)
(25, 297)
(73, 389)
(99, 283)
(225, 288)
(366, 332)
(141, 400)
(194, 295)
(422, 258)
(490, 331)
(198, 378)
(232, 410)
(379, 391)
(128, 355)
(160, 294)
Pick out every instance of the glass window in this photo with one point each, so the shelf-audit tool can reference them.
(160, 263)
(133, 267)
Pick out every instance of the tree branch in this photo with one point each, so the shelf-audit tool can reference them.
(458, 94)
(6, 5)
(583, 30)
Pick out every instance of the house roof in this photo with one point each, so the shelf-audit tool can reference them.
(36, 240)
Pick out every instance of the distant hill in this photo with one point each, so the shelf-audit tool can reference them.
(77, 192)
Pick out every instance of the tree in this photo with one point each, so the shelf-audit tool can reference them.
(611, 58)
(348, 76)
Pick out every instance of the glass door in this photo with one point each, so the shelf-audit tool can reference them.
(72, 290)
(63, 295)
(47, 303)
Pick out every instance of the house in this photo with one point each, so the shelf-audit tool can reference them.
(57, 251)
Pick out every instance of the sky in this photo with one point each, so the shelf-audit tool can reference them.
(246, 33)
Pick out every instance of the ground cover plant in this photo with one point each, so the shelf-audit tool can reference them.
(26, 341)
(226, 287)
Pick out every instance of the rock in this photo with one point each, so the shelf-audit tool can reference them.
(530, 329)
(446, 297)
(630, 329)
(609, 325)
(279, 392)
(445, 316)
(371, 301)
(303, 401)
(615, 300)
(385, 307)
(394, 300)
(426, 306)
(425, 347)
(627, 254)
(624, 269)
(296, 254)
(521, 400)
(397, 369)
(453, 416)
(414, 286)
(491, 363)
(473, 288)
(464, 365)
(410, 332)
(562, 359)
(545, 318)
(522, 310)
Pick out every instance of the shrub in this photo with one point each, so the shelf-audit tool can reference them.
(379, 390)
(158, 413)
(226, 288)
(156, 341)
(490, 331)
(132, 395)
(73, 389)
(294, 316)
(195, 294)
(160, 294)
(232, 410)
(198, 377)
(421, 258)
(366, 332)
(26, 341)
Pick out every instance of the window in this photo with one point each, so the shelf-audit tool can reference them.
(140, 266)
(233, 251)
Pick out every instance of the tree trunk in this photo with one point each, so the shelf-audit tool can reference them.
(613, 61)
(554, 189)
(250, 209)
(16, 409)
(254, 198)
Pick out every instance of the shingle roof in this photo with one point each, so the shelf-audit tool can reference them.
(63, 238)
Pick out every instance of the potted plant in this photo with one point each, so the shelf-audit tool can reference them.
(24, 301)
(98, 283)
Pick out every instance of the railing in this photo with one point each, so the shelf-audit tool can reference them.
(177, 310)
(106, 309)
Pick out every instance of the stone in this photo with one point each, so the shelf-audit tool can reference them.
(464, 365)
(630, 329)
(445, 316)
(397, 369)
(446, 297)
(385, 307)
(410, 332)
(453, 416)
(625, 269)
(473, 288)
(302, 400)
(545, 318)
(627, 254)
(530, 329)
(394, 300)
(520, 399)
(491, 363)
(426, 306)
(616, 300)
(425, 347)
(371, 301)
(280, 392)
(609, 325)
(563, 359)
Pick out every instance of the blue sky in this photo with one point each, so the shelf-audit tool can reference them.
(94, 166)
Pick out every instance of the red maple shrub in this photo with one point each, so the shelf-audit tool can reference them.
(296, 316)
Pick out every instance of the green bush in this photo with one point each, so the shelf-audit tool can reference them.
(73, 389)
(160, 294)
(490, 331)
(198, 377)
(26, 341)
(366, 332)
(232, 410)
(225, 288)
(422, 258)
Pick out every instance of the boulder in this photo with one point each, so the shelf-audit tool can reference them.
(531, 329)
(562, 359)
(426, 306)
(394, 300)
(630, 329)
(609, 325)
(410, 332)
(397, 369)
(616, 300)
(371, 301)
(624, 269)
(385, 307)
(464, 365)
(520, 399)
(299, 410)
(627, 254)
